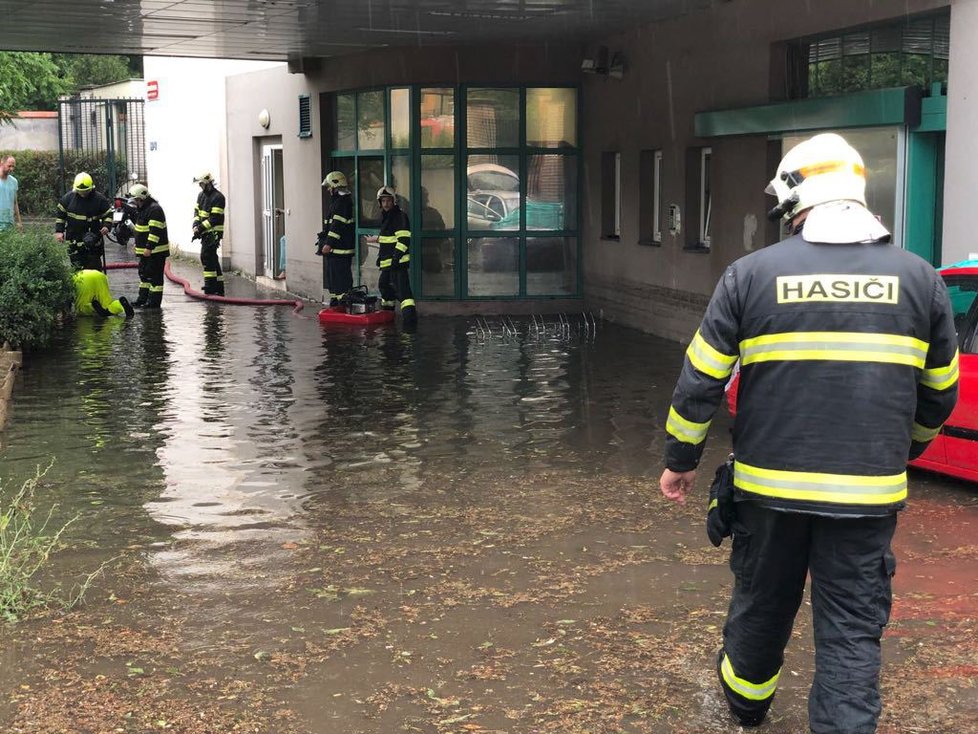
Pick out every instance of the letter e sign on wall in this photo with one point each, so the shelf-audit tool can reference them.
(152, 90)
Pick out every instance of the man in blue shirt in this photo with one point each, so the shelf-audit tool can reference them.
(8, 194)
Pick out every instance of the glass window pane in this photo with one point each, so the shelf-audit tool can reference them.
(551, 266)
(493, 192)
(438, 266)
(438, 117)
(401, 118)
(551, 118)
(345, 133)
(368, 273)
(437, 192)
(371, 124)
(494, 266)
(492, 118)
(401, 181)
(551, 194)
(370, 177)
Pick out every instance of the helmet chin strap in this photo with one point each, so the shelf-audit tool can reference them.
(783, 207)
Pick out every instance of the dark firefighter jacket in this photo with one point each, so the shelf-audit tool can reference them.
(849, 366)
(78, 214)
(209, 213)
(149, 224)
(340, 235)
(394, 239)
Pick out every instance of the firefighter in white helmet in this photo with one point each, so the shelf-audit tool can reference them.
(208, 226)
(337, 241)
(395, 256)
(848, 368)
(152, 246)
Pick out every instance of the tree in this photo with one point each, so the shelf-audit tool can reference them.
(34, 81)
(29, 81)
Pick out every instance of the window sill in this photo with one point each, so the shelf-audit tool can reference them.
(698, 248)
(650, 243)
(610, 238)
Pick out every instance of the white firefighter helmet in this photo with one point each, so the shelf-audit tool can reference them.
(204, 177)
(821, 169)
(386, 190)
(139, 191)
(335, 180)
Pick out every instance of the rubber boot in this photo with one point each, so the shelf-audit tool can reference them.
(100, 309)
(127, 307)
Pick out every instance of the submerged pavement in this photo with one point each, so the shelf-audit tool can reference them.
(316, 529)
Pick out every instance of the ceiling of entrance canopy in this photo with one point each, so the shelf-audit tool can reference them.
(283, 29)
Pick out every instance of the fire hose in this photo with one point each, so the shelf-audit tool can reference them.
(297, 304)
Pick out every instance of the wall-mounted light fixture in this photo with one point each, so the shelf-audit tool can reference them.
(602, 65)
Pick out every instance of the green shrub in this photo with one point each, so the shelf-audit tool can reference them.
(39, 175)
(36, 286)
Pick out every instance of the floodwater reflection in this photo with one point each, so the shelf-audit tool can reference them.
(467, 513)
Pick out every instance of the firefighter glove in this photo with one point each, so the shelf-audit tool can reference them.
(720, 511)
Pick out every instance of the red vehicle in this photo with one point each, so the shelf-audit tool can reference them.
(955, 450)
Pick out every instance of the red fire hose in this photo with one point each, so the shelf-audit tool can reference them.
(296, 303)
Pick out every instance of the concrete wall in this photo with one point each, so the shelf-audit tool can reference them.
(186, 133)
(30, 133)
(961, 152)
(277, 91)
(704, 61)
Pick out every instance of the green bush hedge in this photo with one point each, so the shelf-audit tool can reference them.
(38, 174)
(36, 286)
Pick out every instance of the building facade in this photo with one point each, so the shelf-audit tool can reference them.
(618, 174)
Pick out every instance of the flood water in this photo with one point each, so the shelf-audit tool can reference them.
(320, 529)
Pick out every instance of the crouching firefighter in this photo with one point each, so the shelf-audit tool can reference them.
(83, 216)
(849, 367)
(92, 296)
(395, 256)
(337, 240)
(208, 227)
(152, 246)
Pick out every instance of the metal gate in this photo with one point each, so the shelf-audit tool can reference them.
(106, 138)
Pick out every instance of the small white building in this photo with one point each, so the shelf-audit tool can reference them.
(186, 133)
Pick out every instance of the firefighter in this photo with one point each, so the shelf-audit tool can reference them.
(93, 298)
(337, 240)
(395, 256)
(208, 227)
(82, 218)
(849, 368)
(152, 246)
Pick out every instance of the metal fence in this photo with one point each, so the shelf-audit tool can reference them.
(106, 137)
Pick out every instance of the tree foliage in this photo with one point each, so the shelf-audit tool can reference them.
(34, 81)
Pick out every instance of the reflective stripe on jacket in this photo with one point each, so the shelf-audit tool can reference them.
(848, 367)
(340, 232)
(149, 225)
(209, 212)
(76, 215)
(394, 239)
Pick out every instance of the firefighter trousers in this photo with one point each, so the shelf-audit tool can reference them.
(339, 274)
(851, 566)
(395, 284)
(213, 275)
(151, 280)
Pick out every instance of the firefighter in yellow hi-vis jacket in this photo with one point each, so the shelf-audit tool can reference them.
(849, 368)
